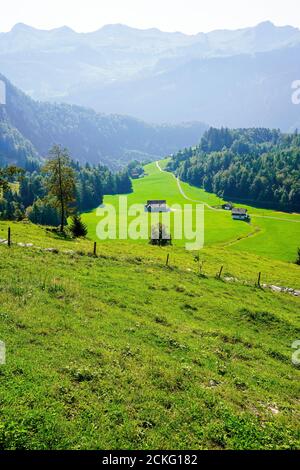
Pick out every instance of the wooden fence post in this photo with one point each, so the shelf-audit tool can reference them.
(201, 267)
(258, 280)
(95, 249)
(9, 237)
(220, 273)
(168, 258)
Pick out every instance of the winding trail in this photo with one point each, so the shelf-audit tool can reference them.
(256, 230)
(183, 193)
(221, 210)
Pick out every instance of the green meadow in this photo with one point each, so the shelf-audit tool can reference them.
(270, 233)
(119, 351)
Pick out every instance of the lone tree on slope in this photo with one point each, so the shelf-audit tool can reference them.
(60, 182)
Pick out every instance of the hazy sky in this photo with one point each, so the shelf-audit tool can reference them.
(189, 16)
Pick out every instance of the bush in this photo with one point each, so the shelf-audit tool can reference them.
(77, 227)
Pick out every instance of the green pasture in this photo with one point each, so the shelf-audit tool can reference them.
(119, 351)
(270, 233)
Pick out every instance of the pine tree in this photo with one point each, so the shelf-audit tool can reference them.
(78, 228)
(42, 212)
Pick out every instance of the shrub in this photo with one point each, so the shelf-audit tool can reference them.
(77, 227)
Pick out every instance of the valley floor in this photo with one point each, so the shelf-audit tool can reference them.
(270, 234)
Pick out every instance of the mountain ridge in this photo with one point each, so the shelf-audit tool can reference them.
(29, 128)
(267, 24)
(159, 76)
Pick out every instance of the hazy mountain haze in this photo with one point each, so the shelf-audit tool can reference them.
(29, 128)
(233, 78)
(189, 16)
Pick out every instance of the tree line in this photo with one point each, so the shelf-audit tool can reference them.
(49, 193)
(258, 165)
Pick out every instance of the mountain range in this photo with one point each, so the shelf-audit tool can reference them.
(236, 78)
(28, 129)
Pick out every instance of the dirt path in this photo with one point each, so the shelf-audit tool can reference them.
(183, 193)
(221, 210)
(229, 243)
(255, 232)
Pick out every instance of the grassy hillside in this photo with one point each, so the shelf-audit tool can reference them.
(270, 234)
(120, 351)
(98, 359)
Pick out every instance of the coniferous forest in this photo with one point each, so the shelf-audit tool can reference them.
(256, 165)
(24, 192)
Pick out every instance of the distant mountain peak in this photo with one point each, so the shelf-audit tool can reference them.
(22, 27)
(266, 25)
(64, 29)
(118, 28)
(115, 27)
